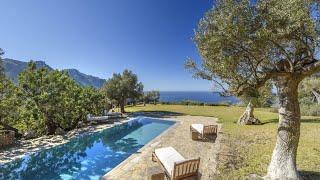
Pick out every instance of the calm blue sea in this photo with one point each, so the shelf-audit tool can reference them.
(200, 96)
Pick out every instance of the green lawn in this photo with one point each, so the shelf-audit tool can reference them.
(248, 149)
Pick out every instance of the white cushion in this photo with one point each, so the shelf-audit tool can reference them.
(97, 118)
(168, 156)
(198, 127)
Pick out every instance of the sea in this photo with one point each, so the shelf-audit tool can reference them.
(199, 96)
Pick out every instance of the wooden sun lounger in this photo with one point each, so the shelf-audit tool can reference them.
(109, 116)
(176, 166)
(98, 118)
(200, 131)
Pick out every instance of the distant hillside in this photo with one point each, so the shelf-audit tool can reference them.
(85, 80)
(14, 67)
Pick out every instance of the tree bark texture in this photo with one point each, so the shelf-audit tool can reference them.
(122, 110)
(50, 124)
(283, 161)
(316, 95)
(247, 117)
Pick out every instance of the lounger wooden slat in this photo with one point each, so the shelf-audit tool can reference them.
(175, 166)
(200, 131)
(187, 168)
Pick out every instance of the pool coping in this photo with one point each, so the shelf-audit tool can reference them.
(100, 128)
(152, 143)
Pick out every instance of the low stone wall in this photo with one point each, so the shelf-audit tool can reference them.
(6, 137)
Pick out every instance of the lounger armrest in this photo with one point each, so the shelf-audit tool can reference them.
(186, 168)
(210, 129)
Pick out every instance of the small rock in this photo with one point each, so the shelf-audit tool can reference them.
(29, 134)
(60, 131)
(80, 124)
(7, 137)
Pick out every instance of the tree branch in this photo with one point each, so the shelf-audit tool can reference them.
(311, 68)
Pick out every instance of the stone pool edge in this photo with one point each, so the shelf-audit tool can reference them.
(19, 151)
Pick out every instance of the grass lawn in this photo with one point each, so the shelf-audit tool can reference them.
(248, 149)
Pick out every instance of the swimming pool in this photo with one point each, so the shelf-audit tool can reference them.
(88, 156)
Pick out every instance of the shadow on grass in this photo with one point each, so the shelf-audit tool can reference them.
(310, 175)
(315, 120)
(303, 120)
(156, 114)
(211, 139)
(270, 121)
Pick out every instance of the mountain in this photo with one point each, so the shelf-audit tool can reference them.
(14, 67)
(84, 79)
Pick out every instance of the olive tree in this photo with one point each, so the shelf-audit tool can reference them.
(261, 97)
(153, 96)
(244, 43)
(309, 89)
(122, 87)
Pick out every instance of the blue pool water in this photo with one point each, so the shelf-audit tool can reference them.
(89, 156)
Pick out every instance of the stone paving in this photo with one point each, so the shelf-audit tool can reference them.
(139, 166)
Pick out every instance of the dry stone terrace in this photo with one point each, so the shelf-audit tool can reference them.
(139, 166)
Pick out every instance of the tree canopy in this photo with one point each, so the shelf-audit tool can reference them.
(60, 102)
(309, 90)
(2, 74)
(152, 96)
(122, 87)
(243, 44)
(8, 100)
(261, 97)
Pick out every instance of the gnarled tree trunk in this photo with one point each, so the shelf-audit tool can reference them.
(122, 104)
(247, 117)
(50, 124)
(51, 127)
(316, 95)
(283, 162)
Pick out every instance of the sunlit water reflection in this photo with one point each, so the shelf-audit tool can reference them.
(89, 156)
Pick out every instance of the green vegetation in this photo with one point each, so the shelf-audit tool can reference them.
(151, 97)
(247, 149)
(309, 96)
(245, 44)
(261, 97)
(8, 100)
(14, 67)
(57, 99)
(45, 100)
(122, 87)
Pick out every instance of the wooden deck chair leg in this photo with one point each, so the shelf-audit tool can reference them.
(154, 157)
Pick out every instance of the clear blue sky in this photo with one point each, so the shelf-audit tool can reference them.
(100, 37)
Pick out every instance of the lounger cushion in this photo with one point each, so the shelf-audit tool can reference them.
(98, 118)
(198, 127)
(168, 156)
